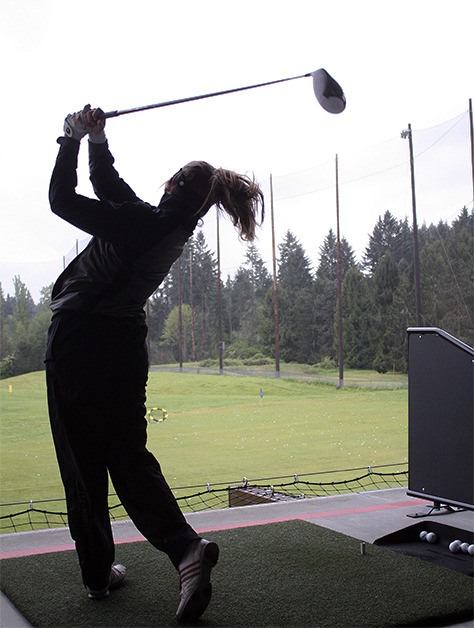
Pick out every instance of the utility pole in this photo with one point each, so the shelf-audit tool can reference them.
(339, 287)
(219, 299)
(191, 303)
(275, 287)
(180, 318)
(416, 253)
(471, 130)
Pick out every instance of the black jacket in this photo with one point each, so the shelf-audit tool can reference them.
(134, 243)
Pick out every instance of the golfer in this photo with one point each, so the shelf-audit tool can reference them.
(96, 360)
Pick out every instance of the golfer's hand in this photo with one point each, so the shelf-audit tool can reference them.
(95, 125)
(75, 125)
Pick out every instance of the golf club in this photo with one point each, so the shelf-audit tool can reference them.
(328, 93)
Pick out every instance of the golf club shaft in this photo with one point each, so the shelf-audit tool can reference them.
(114, 114)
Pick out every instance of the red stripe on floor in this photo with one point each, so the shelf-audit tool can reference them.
(229, 526)
(313, 515)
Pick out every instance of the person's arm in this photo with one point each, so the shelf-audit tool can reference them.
(127, 222)
(105, 179)
(133, 223)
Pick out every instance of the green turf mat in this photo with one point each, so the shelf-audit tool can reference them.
(282, 574)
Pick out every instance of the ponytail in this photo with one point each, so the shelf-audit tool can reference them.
(240, 197)
(236, 194)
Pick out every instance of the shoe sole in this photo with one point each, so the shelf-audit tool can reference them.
(200, 598)
(99, 595)
(118, 580)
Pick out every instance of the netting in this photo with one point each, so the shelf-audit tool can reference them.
(32, 515)
(372, 180)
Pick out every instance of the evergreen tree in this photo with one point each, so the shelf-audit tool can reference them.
(241, 308)
(259, 276)
(5, 338)
(325, 292)
(158, 308)
(378, 305)
(171, 331)
(358, 315)
(45, 298)
(447, 277)
(390, 331)
(198, 270)
(294, 268)
(386, 238)
(295, 294)
(205, 298)
(244, 302)
(460, 250)
(24, 305)
(26, 332)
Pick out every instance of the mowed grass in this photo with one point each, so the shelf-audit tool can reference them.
(218, 429)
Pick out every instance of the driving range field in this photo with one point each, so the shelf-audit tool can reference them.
(219, 428)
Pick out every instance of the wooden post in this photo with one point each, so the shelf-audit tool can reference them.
(275, 287)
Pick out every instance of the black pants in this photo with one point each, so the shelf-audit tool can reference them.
(97, 369)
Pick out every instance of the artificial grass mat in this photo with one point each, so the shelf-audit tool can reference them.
(282, 574)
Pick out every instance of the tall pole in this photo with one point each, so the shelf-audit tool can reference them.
(471, 129)
(416, 252)
(148, 340)
(180, 318)
(219, 300)
(275, 287)
(191, 303)
(339, 286)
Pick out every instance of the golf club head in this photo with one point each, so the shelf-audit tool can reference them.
(328, 92)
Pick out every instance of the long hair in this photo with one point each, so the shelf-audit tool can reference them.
(236, 194)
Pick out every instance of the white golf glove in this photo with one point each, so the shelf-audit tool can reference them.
(74, 126)
(96, 127)
(97, 138)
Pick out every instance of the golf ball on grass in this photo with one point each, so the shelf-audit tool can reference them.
(470, 550)
(464, 548)
(431, 537)
(423, 534)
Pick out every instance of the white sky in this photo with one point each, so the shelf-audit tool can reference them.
(398, 62)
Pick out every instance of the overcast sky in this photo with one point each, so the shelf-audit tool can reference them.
(408, 61)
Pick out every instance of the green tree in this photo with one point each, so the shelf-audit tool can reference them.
(295, 302)
(205, 297)
(325, 292)
(447, 269)
(171, 330)
(45, 298)
(23, 305)
(259, 276)
(7, 361)
(244, 298)
(388, 236)
(198, 289)
(158, 308)
(358, 315)
(294, 268)
(390, 331)
(24, 332)
(4, 339)
(461, 253)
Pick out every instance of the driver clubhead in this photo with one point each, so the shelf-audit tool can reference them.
(328, 92)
